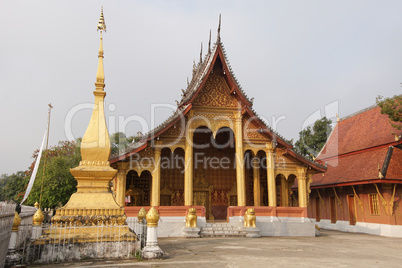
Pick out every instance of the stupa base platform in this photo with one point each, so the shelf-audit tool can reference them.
(77, 243)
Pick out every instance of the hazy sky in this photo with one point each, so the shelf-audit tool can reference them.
(294, 57)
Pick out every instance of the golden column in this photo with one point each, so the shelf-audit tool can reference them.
(188, 169)
(156, 179)
(121, 183)
(271, 175)
(256, 181)
(301, 181)
(241, 189)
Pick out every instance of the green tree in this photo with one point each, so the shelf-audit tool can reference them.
(58, 183)
(11, 186)
(312, 139)
(393, 108)
(119, 142)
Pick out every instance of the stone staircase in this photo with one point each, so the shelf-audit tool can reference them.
(221, 230)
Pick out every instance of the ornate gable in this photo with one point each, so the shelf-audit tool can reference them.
(215, 92)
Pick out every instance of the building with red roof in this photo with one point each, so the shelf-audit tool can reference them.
(362, 188)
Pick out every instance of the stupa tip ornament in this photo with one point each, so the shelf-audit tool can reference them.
(101, 23)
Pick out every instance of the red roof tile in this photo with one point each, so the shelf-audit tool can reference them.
(357, 148)
(363, 130)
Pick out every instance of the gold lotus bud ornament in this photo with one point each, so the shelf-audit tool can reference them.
(141, 214)
(38, 217)
(16, 222)
(152, 218)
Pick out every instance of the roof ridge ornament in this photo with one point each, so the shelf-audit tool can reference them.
(219, 30)
(201, 54)
(209, 42)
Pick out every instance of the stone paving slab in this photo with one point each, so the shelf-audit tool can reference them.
(331, 249)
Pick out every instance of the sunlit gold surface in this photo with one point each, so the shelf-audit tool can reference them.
(191, 218)
(38, 217)
(152, 218)
(93, 204)
(142, 214)
(249, 218)
(16, 222)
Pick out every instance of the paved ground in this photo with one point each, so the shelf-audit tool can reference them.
(331, 249)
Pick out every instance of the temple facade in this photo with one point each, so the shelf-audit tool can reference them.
(361, 191)
(214, 153)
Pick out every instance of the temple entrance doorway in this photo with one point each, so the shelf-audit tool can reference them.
(138, 188)
(214, 181)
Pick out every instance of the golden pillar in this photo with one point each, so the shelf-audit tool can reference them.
(284, 192)
(271, 175)
(241, 189)
(121, 183)
(188, 169)
(302, 186)
(156, 179)
(256, 182)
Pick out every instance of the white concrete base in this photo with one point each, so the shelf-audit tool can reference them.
(280, 226)
(173, 226)
(252, 232)
(362, 227)
(192, 232)
(152, 252)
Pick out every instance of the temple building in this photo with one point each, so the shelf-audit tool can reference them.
(215, 154)
(361, 191)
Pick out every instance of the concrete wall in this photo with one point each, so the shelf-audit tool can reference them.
(362, 227)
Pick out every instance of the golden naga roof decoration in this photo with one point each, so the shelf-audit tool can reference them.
(152, 218)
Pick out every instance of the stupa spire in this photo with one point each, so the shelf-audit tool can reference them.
(100, 75)
(95, 146)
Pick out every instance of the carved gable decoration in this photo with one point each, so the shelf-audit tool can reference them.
(251, 131)
(215, 93)
(146, 153)
(174, 131)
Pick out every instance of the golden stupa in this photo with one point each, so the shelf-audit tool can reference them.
(93, 204)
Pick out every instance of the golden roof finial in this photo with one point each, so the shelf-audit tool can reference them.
(337, 118)
(219, 29)
(209, 42)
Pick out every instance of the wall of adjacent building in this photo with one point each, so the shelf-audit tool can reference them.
(370, 215)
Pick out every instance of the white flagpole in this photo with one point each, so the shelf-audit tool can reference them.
(35, 170)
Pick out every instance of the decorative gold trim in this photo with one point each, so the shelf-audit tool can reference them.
(391, 203)
(383, 201)
(338, 200)
(359, 201)
(322, 200)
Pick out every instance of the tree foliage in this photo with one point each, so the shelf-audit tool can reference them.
(313, 138)
(11, 185)
(58, 183)
(393, 108)
(119, 142)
